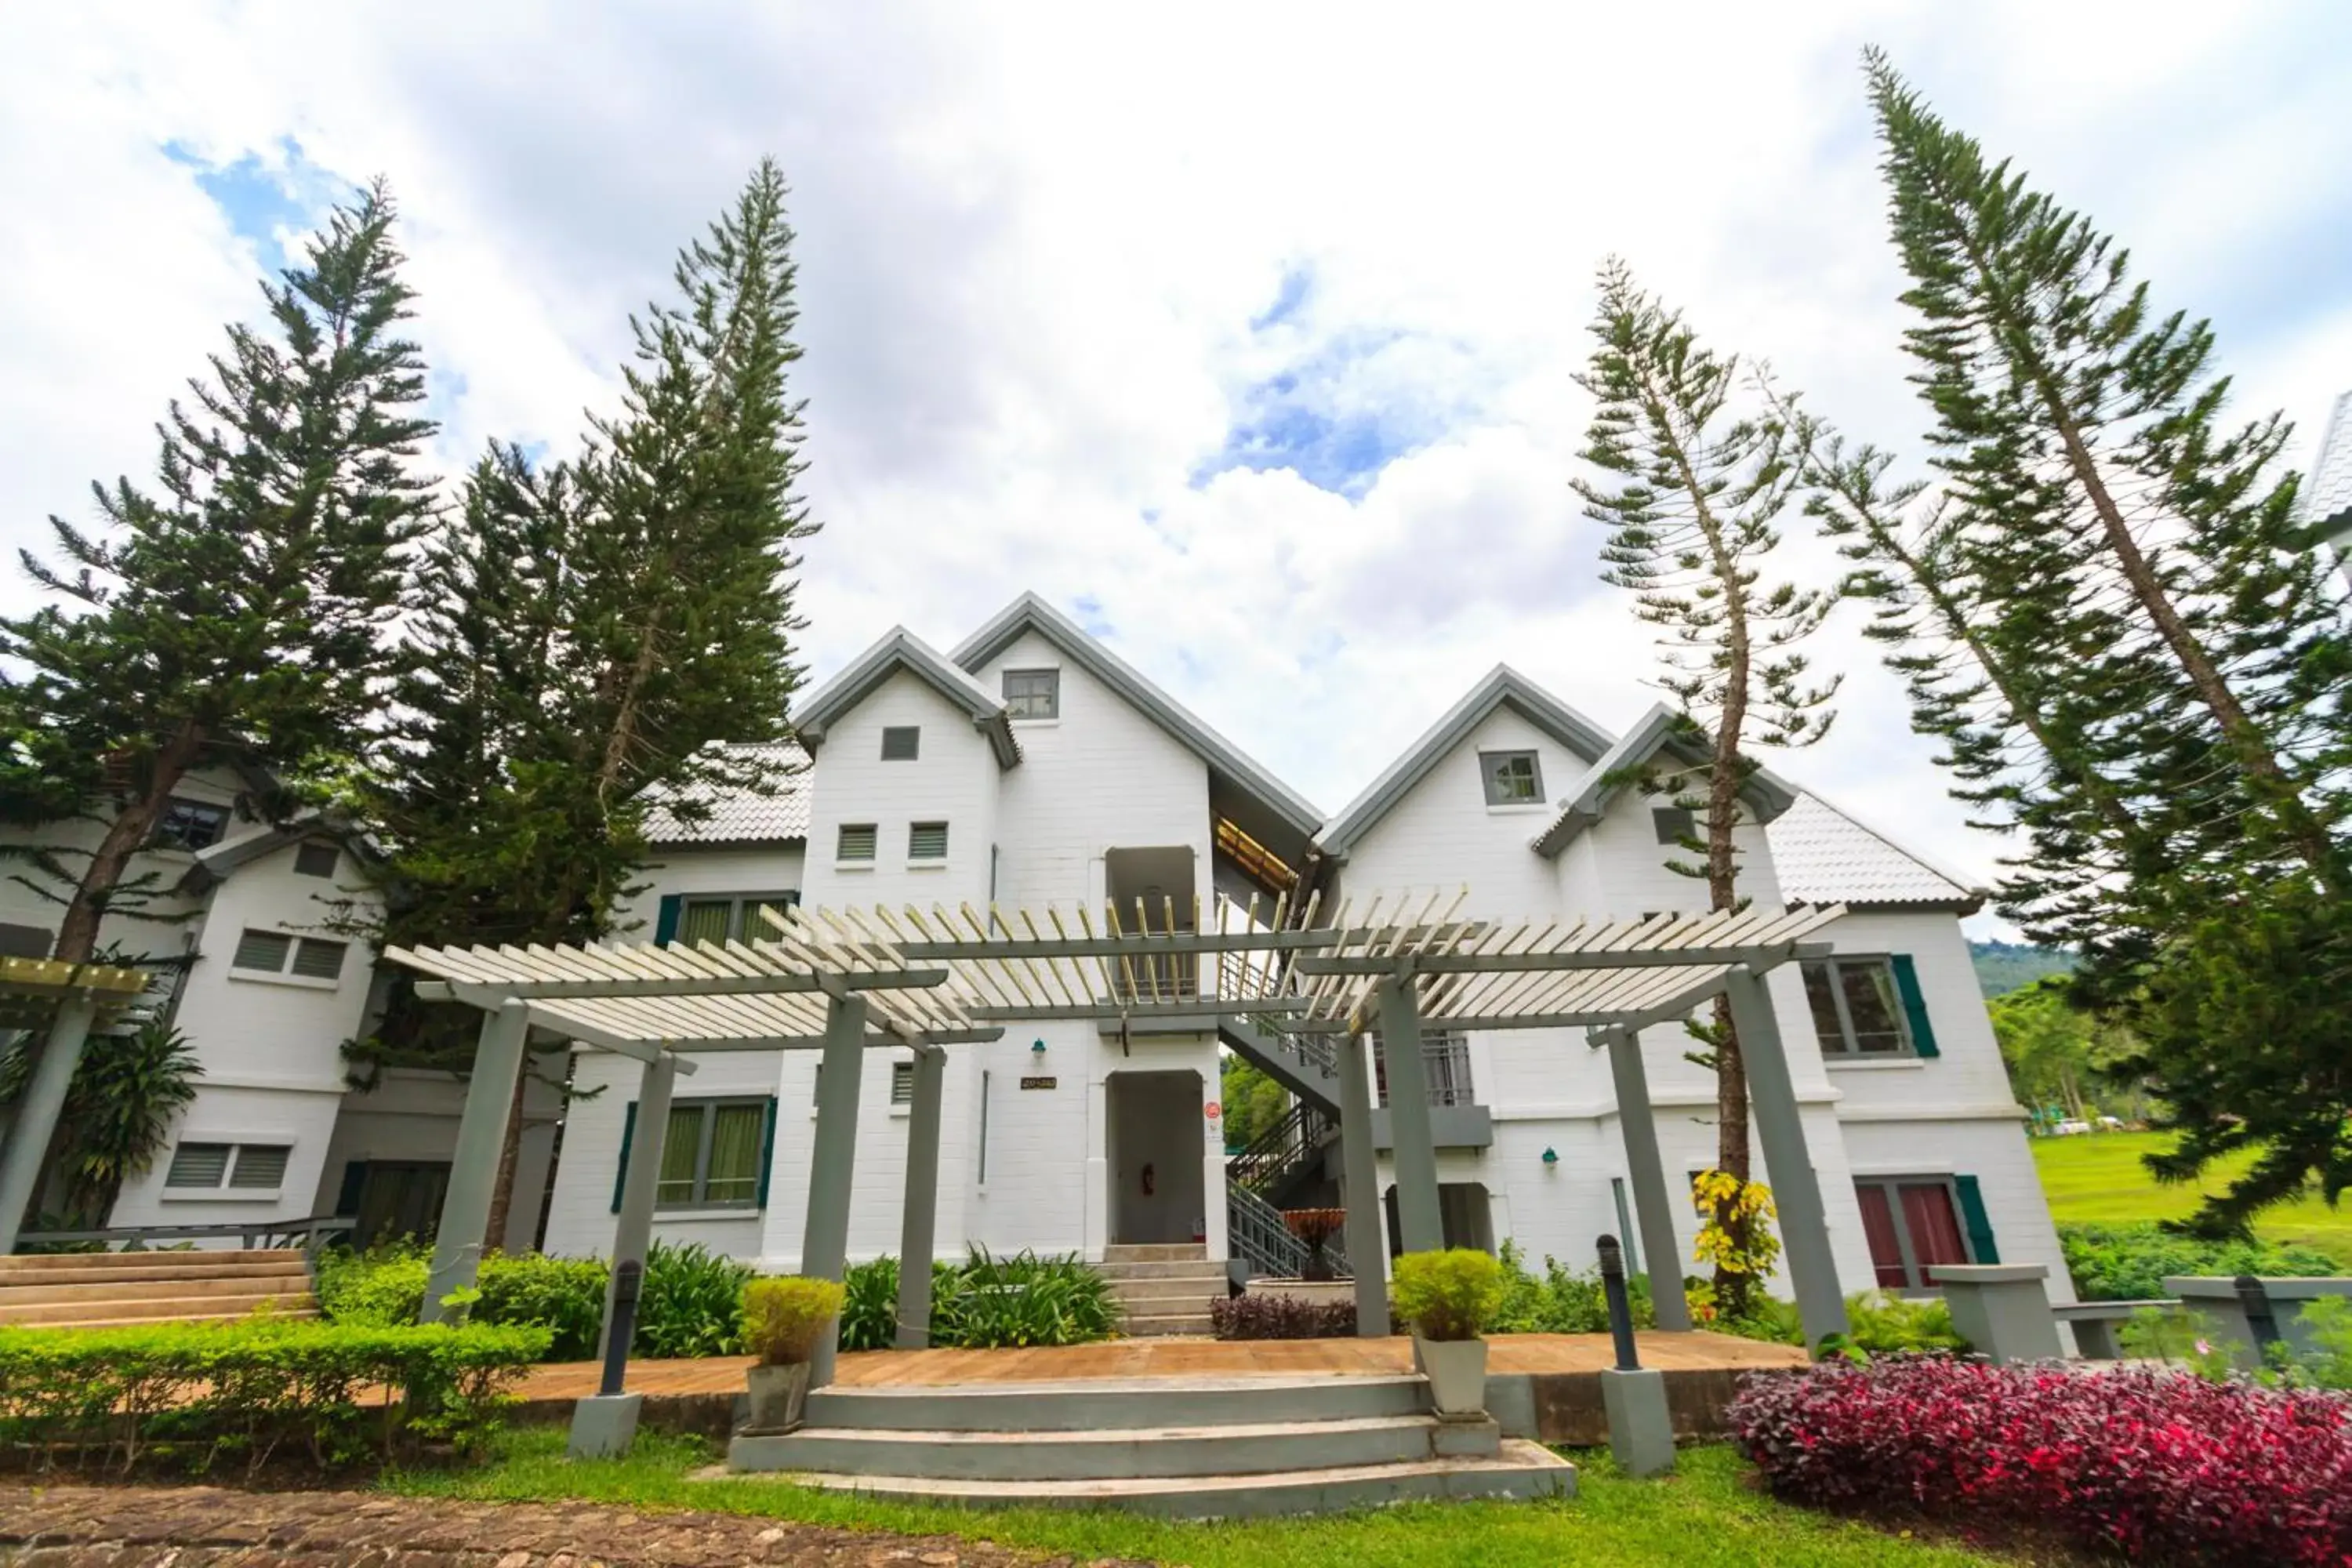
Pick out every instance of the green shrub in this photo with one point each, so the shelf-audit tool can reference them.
(1561, 1302)
(1023, 1299)
(259, 1388)
(691, 1304)
(1885, 1325)
(869, 1309)
(2129, 1262)
(784, 1319)
(1449, 1295)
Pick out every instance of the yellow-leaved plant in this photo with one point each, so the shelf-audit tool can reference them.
(1735, 1236)
(784, 1320)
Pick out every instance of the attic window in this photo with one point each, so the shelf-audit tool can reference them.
(1033, 693)
(1512, 778)
(927, 841)
(315, 858)
(1675, 824)
(190, 825)
(900, 742)
(858, 841)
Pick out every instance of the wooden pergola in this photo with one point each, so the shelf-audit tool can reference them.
(62, 1003)
(843, 981)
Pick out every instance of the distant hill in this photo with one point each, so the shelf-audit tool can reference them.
(2003, 966)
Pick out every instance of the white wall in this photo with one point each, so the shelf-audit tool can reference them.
(21, 905)
(271, 1046)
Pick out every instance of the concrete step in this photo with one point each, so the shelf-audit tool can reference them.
(1170, 1269)
(285, 1281)
(1519, 1472)
(1157, 1252)
(1097, 1404)
(1190, 1303)
(1114, 1453)
(1166, 1325)
(125, 1309)
(46, 1267)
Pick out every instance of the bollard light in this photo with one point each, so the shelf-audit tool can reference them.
(1621, 1309)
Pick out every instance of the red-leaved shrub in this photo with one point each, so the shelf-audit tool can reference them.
(1281, 1318)
(2161, 1466)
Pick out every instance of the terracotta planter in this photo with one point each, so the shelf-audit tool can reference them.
(779, 1397)
(1456, 1370)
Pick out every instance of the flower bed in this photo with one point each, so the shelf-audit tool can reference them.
(1281, 1318)
(257, 1388)
(2161, 1466)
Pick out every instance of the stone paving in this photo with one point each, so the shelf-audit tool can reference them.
(211, 1527)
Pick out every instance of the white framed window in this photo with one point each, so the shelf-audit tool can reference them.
(901, 743)
(1033, 693)
(315, 858)
(710, 1154)
(1512, 778)
(236, 1170)
(1446, 1063)
(190, 824)
(310, 959)
(927, 841)
(1857, 1006)
(730, 917)
(856, 841)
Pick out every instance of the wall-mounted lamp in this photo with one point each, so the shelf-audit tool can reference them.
(1037, 1047)
(1550, 1158)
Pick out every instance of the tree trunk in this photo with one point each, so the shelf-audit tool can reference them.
(494, 1233)
(78, 932)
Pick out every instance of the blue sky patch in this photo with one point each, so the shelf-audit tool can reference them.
(1290, 298)
(263, 198)
(1302, 419)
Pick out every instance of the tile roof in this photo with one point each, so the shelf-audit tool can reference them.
(741, 817)
(1824, 857)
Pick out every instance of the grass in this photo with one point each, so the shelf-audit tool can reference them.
(1705, 1516)
(2099, 1177)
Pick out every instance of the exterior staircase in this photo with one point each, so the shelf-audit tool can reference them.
(1193, 1449)
(111, 1289)
(1164, 1289)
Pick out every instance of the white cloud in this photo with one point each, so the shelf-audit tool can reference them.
(1032, 246)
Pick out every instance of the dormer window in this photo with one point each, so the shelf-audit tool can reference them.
(1033, 693)
(315, 858)
(1512, 778)
(190, 824)
(901, 743)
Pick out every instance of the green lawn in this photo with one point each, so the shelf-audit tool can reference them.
(1706, 1516)
(2099, 1177)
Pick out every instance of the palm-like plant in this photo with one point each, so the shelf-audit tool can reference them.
(126, 1093)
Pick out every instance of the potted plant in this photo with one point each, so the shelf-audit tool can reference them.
(784, 1323)
(1449, 1297)
(1314, 1226)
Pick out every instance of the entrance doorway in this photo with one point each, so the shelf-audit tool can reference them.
(399, 1198)
(1154, 1156)
(1463, 1211)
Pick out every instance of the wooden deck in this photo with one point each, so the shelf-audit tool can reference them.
(1177, 1359)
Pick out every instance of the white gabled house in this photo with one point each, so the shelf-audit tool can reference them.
(1029, 767)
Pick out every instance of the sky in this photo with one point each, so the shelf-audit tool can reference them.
(1248, 334)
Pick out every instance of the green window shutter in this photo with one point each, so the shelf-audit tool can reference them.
(1973, 1217)
(1914, 1006)
(767, 1152)
(347, 1201)
(621, 1165)
(666, 918)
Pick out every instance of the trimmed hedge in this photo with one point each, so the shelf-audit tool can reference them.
(2128, 1262)
(257, 1388)
(2157, 1466)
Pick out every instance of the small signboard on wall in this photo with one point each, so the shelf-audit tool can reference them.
(1039, 1082)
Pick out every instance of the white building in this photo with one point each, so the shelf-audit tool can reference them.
(1030, 767)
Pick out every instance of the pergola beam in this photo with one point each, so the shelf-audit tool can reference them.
(1378, 966)
(489, 995)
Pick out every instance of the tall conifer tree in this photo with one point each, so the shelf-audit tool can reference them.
(2150, 662)
(593, 625)
(1693, 489)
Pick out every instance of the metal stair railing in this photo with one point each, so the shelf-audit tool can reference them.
(1292, 1141)
(1255, 1233)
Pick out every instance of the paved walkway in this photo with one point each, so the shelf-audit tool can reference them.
(1184, 1358)
(210, 1526)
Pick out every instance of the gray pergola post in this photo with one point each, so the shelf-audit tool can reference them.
(919, 1213)
(1796, 1186)
(633, 1233)
(825, 1238)
(36, 1115)
(1420, 1220)
(474, 1164)
(1652, 1198)
(1360, 1191)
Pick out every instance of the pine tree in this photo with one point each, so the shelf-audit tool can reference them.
(1692, 498)
(242, 610)
(2149, 662)
(592, 627)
